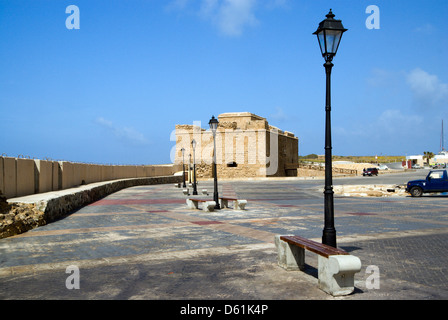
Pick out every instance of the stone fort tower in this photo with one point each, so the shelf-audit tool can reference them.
(246, 145)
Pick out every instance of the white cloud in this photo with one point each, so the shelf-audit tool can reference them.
(272, 4)
(279, 115)
(230, 16)
(382, 78)
(126, 134)
(392, 120)
(387, 125)
(427, 89)
(426, 29)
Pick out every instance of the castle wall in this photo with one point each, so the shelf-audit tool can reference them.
(246, 147)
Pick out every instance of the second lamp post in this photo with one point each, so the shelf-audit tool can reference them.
(329, 35)
(195, 190)
(184, 185)
(213, 123)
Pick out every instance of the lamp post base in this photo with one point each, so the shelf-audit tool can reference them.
(217, 207)
(329, 237)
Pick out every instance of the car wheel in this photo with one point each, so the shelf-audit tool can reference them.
(416, 192)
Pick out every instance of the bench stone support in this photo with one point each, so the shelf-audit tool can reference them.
(224, 203)
(289, 257)
(207, 206)
(192, 204)
(337, 274)
(237, 204)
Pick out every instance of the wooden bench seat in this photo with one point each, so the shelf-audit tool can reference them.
(237, 203)
(316, 247)
(336, 267)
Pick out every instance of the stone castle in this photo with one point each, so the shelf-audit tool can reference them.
(246, 146)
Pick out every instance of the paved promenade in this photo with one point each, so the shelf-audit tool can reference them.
(143, 243)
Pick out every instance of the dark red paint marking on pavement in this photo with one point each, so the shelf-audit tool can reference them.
(114, 202)
(361, 213)
(203, 223)
(267, 199)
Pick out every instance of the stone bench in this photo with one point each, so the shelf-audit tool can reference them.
(207, 205)
(237, 204)
(336, 267)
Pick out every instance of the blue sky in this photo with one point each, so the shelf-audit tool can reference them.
(113, 90)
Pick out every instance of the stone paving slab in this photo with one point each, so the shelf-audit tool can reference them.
(143, 243)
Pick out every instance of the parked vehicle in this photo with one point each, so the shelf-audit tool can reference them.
(370, 172)
(383, 167)
(436, 181)
(417, 166)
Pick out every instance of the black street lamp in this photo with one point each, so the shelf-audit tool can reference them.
(189, 169)
(213, 123)
(183, 168)
(195, 190)
(329, 34)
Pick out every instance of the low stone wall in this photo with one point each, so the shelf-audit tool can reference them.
(21, 177)
(25, 213)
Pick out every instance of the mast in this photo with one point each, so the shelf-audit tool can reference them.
(441, 140)
(442, 145)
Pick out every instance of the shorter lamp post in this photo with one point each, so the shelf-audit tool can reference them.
(184, 185)
(213, 123)
(329, 34)
(189, 168)
(195, 190)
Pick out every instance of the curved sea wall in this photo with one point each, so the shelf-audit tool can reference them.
(21, 214)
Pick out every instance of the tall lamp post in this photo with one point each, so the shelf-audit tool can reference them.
(213, 123)
(195, 190)
(329, 34)
(184, 185)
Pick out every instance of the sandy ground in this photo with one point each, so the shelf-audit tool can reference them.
(356, 190)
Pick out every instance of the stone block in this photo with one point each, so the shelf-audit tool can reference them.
(337, 274)
(208, 206)
(289, 257)
(239, 204)
(66, 174)
(2, 188)
(192, 204)
(25, 177)
(55, 175)
(141, 172)
(44, 176)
